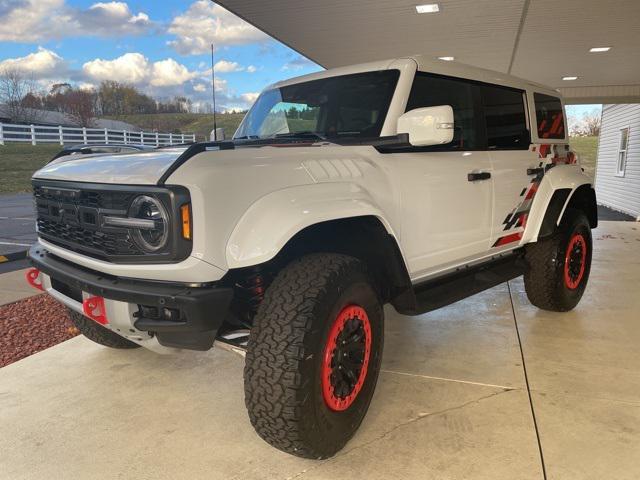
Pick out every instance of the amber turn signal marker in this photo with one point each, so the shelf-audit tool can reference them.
(185, 214)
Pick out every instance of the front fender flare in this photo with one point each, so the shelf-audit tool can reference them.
(270, 222)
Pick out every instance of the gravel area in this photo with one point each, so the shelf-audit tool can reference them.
(31, 325)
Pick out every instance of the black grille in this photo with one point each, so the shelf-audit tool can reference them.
(71, 217)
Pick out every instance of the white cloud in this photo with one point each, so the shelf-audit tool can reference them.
(166, 73)
(41, 64)
(205, 23)
(250, 97)
(136, 69)
(200, 87)
(298, 63)
(224, 66)
(36, 20)
(129, 68)
(251, 69)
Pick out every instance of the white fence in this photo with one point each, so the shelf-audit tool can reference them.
(36, 134)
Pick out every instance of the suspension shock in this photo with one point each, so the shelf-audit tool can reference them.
(249, 293)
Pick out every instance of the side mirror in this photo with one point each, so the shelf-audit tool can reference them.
(428, 126)
(217, 135)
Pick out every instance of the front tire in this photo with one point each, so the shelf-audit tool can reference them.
(314, 355)
(559, 266)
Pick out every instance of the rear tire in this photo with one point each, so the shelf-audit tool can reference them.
(320, 309)
(559, 266)
(99, 334)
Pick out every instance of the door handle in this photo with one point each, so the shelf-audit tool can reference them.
(475, 176)
(535, 171)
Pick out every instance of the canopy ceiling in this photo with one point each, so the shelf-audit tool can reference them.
(539, 40)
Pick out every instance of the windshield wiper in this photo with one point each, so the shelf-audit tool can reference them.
(305, 134)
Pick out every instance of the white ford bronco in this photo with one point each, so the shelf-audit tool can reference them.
(410, 182)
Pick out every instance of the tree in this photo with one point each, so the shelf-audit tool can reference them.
(587, 126)
(80, 106)
(591, 121)
(18, 93)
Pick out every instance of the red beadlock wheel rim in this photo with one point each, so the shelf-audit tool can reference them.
(346, 358)
(575, 261)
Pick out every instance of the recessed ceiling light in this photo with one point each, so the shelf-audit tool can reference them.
(447, 59)
(599, 49)
(428, 8)
(569, 78)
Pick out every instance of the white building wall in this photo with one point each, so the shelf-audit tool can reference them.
(619, 192)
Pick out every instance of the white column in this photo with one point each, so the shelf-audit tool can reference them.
(124, 136)
(106, 136)
(182, 137)
(33, 135)
(157, 141)
(60, 135)
(1, 135)
(170, 136)
(84, 134)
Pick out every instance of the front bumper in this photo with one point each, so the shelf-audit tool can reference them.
(174, 314)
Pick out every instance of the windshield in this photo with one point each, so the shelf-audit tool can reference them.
(345, 106)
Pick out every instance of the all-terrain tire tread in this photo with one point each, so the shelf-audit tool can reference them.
(542, 280)
(273, 387)
(539, 280)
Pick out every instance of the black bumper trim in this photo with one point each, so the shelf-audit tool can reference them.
(202, 309)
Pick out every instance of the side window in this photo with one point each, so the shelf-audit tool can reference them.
(505, 118)
(431, 91)
(622, 152)
(549, 116)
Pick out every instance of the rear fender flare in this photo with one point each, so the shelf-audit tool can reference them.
(556, 189)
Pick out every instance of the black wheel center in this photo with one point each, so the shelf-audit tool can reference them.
(575, 261)
(348, 358)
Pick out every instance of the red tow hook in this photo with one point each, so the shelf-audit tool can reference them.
(34, 278)
(93, 307)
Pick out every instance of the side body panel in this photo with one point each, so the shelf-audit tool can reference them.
(445, 217)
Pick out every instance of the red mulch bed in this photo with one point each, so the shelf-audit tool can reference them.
(31, 325)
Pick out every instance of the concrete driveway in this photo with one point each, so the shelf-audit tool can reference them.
(454, 400)
(17, 223)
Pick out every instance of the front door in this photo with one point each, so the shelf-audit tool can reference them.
(446, 190)
(446, 217)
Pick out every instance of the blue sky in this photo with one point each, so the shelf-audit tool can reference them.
(160, 46)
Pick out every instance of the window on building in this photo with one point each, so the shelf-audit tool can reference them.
(463, 96)
(622, 152)
(505, 118)
(549, 116)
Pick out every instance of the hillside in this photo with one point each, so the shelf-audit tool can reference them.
(198, 123)
(587, 150)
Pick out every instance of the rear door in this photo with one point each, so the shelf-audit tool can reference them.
(515, 167)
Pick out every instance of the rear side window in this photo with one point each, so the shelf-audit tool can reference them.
(431, 91)
(505, 118)
(549, 116)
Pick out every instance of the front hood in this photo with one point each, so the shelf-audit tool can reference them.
(143, 168)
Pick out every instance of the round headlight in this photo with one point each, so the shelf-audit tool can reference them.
(152, 237)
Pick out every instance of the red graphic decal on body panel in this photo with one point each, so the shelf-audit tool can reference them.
(517, 218)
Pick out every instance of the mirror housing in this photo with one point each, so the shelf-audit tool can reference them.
(428, 125)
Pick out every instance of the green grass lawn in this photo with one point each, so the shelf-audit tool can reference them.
(587, 150)
(19, 161)
(198, 123)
